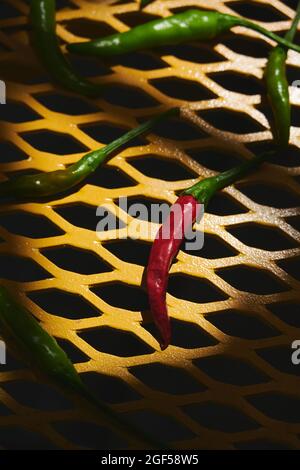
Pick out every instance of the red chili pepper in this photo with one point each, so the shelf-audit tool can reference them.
(168, 240)
(172, 232)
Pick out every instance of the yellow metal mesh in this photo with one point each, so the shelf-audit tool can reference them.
(259, 407)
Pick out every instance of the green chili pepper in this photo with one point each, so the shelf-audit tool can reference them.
(54, 182)
(43, 353)
(144, 3)
(278, 87)
(42, 16)
(187, 26)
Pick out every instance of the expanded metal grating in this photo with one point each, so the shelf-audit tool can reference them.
(227, 380)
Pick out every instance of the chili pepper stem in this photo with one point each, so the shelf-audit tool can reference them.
(290, 35)
(144, 3)
(205, 189)
(260, 29)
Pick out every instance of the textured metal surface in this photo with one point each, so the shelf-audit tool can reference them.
(239, 388)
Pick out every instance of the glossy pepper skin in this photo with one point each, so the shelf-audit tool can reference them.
(54, 182)
(45, 43)
(164, 249)
(42, 352)
(278, 88)
(190, 25)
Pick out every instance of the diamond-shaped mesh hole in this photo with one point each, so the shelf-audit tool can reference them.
(64, 304)
(230, 121)
(166, 427)
(21, 269)
(274, 405)
(53, 142)
(74, 354)
(220, 417)
(106, 133)
(194, 289)
(115, 342)
(129, 97)
(262, 236)
(188, 335)
(11, 153)
(230, 370)
(108, 388)
(280, 357)
(37, 395)
(109, 177)
(294, 221)
(16, 112)
(84, 215)
(185, 334)
(73, 259)
(122, 296)
(269, 195)
(135, 18)
(291, 266)
(139, 61)
(249, 279)
(177, 129)
(89, 28)
(182, 89)
(292, 73)
(167, 379)
(89, 435)
(143, 208)
(66, 104)
(198, 53)
(223, 204)
(88, 66)
(238, 83)
(257, 11)
(214, 247)
(29, 225)
(242, 324)
(131, 251)
(154, 166)
(248, 46)
(214, 159)
(289, 312)
(295, 116)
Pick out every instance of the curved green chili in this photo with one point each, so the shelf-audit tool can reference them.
(54, 182)
(43, 353)
(187, 26)
(278, 87)
(42, 16)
